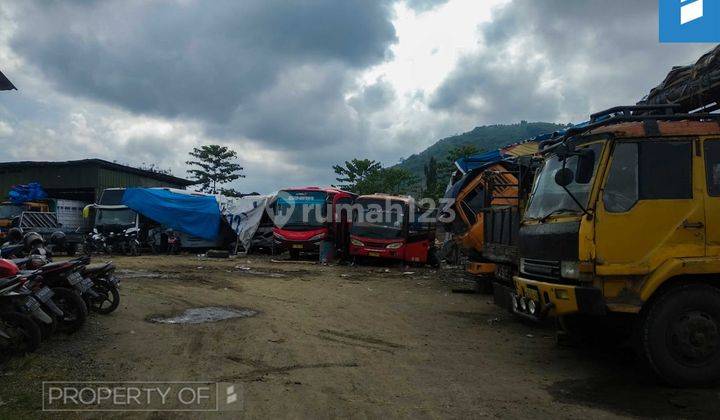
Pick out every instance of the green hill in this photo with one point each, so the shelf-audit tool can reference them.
(487, 137)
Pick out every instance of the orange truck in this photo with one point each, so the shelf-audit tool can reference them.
(487, 199)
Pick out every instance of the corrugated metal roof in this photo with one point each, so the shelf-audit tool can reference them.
(103, 164)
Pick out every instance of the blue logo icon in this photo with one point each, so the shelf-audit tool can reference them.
(689, 20)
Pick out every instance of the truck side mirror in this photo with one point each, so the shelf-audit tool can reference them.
(585, 166)
(564, 177)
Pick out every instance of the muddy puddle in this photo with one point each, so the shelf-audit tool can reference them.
(204, 315)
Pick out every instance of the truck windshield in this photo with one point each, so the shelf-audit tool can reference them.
(123, 217)
(300, 209)
(379, 219)
(550, 198)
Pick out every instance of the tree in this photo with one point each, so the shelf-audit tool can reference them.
(365, 176)
(445, 169)
(354, 172)
(215, 165)
(431, 177)
(232, 192)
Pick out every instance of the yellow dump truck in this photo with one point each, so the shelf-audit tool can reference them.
(624, 218)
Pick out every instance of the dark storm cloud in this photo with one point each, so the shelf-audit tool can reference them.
(373, 98)
(191, 58)
(552, 58)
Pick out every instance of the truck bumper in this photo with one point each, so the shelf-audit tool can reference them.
(480, 269)
(552, 299)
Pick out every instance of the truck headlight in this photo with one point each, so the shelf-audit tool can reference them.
(356, 242)
(394, 245)
(318, 237)
(532, 307)
(570, 269)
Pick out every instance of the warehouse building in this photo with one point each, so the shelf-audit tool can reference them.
(81, 179)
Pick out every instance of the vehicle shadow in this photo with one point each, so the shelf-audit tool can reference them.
(621, 382)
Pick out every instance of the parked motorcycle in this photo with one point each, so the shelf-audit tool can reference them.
(17, 306)
(68, 287)
(18, 334)
(105, 284)
(96, 284)
(95, 242)
(130, 242)
(173, 242)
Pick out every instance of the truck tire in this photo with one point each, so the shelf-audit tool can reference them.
(680, 336)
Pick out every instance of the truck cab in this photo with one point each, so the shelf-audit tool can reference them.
(391, 227)
(624, 219)
(305, 217)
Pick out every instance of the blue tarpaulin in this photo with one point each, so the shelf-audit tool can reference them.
(30, 192)
(196, 215)
(469, 163)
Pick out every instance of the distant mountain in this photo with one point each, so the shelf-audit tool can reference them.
(487, 137)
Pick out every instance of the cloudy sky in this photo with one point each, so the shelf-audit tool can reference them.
(295, 86)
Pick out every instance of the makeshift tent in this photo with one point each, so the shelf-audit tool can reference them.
(244, 215)
(194, 214)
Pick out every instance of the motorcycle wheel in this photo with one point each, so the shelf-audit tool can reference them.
(47, 330)
(108, 301)
(74, 310)
(24, 334)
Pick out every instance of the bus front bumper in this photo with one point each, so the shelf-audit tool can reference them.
(553, 299)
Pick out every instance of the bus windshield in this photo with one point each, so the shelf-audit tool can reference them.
(379, 219)
(300, 209)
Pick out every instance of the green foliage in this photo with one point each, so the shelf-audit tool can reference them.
(431, 174)
(364, 176)
(232, 192)
(435, 185)
(482, 138)
(215, 165)
(354, 172)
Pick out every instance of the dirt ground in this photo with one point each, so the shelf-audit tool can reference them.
(340, 341)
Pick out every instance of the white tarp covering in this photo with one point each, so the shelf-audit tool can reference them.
(244, 215)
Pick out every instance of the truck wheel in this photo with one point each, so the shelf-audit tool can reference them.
(680, 335)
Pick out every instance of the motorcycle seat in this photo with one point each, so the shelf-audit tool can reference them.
(20, 261)
(98, 268)
(53, 266)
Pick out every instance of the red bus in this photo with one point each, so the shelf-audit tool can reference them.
(391, 227)
(304, 217)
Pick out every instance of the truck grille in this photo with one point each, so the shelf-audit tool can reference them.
(543, 269)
